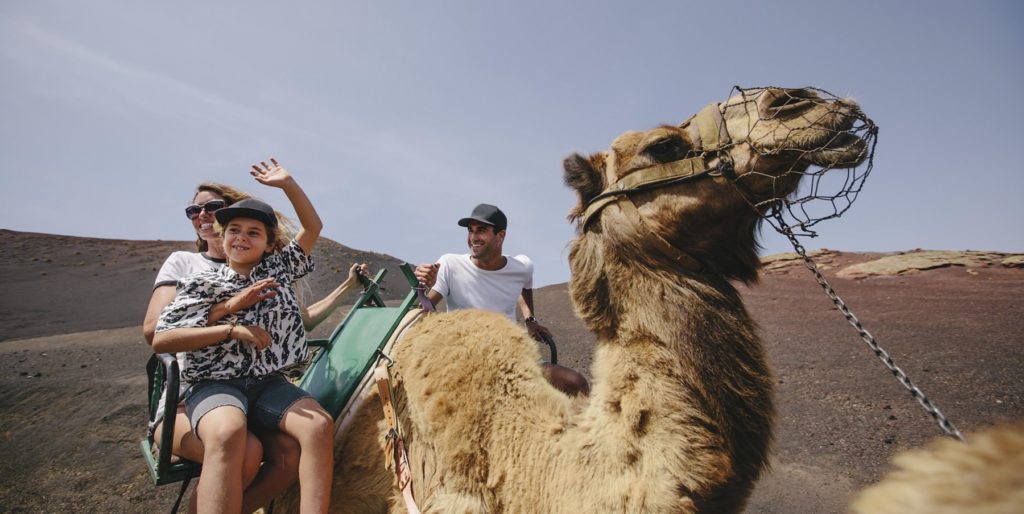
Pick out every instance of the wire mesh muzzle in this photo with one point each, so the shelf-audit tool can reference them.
(811, 153)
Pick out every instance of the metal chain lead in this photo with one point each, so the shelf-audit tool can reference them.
(944, 423)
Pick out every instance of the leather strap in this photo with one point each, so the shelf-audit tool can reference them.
(646, 178)
(400, 458)
(707, 133)
(713, 134)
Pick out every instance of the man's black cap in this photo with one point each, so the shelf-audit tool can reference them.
(485, 213)
(248, 208)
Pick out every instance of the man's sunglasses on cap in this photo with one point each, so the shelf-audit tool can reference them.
(193, 211)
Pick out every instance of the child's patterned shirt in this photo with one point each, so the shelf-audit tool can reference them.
(279, 316)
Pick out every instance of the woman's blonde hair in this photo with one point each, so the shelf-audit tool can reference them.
(282, 234)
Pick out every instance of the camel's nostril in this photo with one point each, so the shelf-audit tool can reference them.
(782, 100)
(787, 102)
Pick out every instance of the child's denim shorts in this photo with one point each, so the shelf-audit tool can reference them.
(263, 400)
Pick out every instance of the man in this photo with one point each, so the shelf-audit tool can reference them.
(487, 279)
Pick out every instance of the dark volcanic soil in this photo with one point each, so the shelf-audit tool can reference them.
(72, 406)
(62, 284)
(956, 331)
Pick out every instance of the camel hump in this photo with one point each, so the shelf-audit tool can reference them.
(981, 475)
(489, 344)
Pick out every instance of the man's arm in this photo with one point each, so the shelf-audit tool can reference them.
(427, 275)
(526, 303)
(434, 297)
(536, 330)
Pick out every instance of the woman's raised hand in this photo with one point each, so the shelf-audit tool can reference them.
(273, 174)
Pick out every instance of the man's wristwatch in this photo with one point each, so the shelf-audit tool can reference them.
(530, 319)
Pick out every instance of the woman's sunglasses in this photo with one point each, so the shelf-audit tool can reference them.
(193, 211)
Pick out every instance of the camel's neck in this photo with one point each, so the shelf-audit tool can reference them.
(680, 368)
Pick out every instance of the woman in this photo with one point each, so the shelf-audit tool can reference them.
(278, 453)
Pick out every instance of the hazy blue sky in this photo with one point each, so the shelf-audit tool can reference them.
(399, 116)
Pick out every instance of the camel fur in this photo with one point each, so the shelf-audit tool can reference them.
(680, 415)
(985, 475)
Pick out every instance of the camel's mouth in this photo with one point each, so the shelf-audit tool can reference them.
(828, 140)
(845, 150)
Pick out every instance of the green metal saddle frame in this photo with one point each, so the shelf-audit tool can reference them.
(332, 377)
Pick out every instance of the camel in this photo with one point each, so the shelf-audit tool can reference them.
(680, 415)
(984, 475)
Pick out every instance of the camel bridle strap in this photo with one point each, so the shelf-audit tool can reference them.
(708, 135)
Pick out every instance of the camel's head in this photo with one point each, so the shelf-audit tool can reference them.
(701, 187)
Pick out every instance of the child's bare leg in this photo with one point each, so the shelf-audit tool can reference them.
(250, 467)
(188, 446)
(223, 433)
(280, 470)
(313, 428)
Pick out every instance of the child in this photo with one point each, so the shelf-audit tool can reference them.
(234, 367)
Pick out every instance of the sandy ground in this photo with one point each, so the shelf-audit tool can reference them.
(72, 387)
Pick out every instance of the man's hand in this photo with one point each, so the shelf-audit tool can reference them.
(253, 335)
(538, 331)
(427, 274)
(252, 295)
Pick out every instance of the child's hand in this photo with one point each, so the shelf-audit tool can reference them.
(252, 295)
(273, 174)
(253, 335)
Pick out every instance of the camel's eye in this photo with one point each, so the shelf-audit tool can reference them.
(667, 149)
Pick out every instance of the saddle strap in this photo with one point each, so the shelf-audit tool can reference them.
(400, 458)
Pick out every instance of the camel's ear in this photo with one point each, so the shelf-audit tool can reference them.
(585, 176)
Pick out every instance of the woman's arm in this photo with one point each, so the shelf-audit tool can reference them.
(319, 311)
(160, 298)
(275, 175)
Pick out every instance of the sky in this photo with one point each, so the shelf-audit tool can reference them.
(397, 117)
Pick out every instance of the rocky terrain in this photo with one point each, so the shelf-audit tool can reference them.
(72, 380)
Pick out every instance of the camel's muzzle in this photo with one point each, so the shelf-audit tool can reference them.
(813, 129)
(817, 132)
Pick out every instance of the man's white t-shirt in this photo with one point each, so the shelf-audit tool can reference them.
(465, 286)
